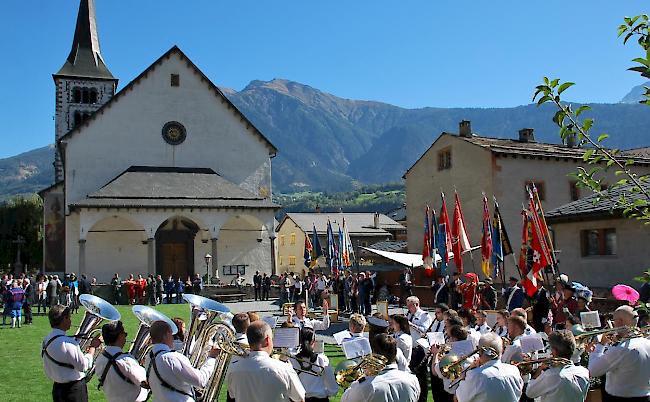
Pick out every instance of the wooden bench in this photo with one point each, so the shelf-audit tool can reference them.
(228, 293)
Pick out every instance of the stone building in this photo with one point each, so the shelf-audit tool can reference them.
(365, 229)
(473, 164)
(152, 178)
(596, 244)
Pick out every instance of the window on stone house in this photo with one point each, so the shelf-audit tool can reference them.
(77, 119)
(539, 185)
(282, 240)
(93, 96)
(85, 95)
(595, 242)
(175, 80)
(293, 239)
(574, 190)
(76, 95)
(444, 159)
(292, 260)
(280, 260)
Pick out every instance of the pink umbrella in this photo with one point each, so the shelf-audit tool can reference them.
(624, 292)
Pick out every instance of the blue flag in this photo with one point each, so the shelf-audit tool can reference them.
(316, 250)
(442, 247)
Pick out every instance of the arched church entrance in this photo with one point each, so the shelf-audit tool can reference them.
(175, 247)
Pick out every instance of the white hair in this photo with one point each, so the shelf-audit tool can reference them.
(629, 312)
(413, 299)
(492, 341)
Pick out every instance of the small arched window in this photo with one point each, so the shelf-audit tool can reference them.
(77, 119)
(93, 96)
(84, 95)
(76, 95)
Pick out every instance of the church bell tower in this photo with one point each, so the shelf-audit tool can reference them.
(84, 83)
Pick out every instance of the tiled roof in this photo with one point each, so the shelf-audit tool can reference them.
(358, 223)
(394, 246)
(398, 214)
(586, 206)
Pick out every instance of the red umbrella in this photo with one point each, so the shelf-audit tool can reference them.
(624, 292)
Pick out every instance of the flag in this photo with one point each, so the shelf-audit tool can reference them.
(308, 252)
(542, 223)
(331, 248)
(446, 227)
(434, 236)
(347, 250)
(539, 254)
(523, 252)
(442, 248)
(426, 244)
(316, 251)
(486, 240)
(460, 240)
(501, 246)
(339, 249)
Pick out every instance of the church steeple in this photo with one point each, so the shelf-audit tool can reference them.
(85, 59)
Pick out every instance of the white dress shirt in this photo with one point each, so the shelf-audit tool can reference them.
(66, 350)
(177, 371)
(405, 343)
(502, 331)
(567, 384)
(259, 378)
(421, 320)
(402, 363)
(390, 385)
(322, 386)
(115, 388)
(513, 351)
(529, 330)
(316, 325)
(483, 329)
(438, 326)
(492, 382)
(473, 335)
(626, 366)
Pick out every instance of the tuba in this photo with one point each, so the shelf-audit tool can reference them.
(209, 325)
(98, 310)
(141, 344)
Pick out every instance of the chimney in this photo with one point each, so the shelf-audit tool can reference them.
(527, 135)
(376, 221)
(317, 209)
(465, 128)
(571, 141)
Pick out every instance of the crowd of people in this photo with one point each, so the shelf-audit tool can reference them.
(153, 289)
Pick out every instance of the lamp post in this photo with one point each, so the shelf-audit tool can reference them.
(208, 258)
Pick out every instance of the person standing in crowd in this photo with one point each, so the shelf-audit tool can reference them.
(301, 320)
(266, 286)
(116, 287)
(568, 383)
(455, 296)
(179, 288)
(170, 374)
(298, 286)
(440, 290)
(566, 306)
(354, 293)
(420, 321)
(259, 378)
(513, 296)
(501, 326)
(405, 285)
(170, 286)
(492, 380)
(390, 384)
(119, 374)
(84, 285)
(197, 284)
(130, 289)
(151, 290)
(317, 388)
(30, 295)
(368, 289)
(93, 285)
(541, 307)
(42, 293)
(361, 300)
(16, 299)
(140, 289)
(257, 285)
(625, 364)
(347, 290)
(488, 295)
(53, 286)
(160, 289)
(63, 361)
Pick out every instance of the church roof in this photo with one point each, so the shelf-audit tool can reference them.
(172, 187)
(85, 59)
(174, 50)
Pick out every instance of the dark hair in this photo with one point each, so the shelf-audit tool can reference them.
(180, 326)
(57, 314)
(298, 302)
(454, 320)
(158, 331)
(403, 323)
(465, 313)
(442, 306)
(307, 336)
(241, 321)
(504, 313)
(458, 332)
(518, 321)
(111, 331)
(563, 343)
(385, 345)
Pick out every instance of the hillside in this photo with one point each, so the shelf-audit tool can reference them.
(327, 143)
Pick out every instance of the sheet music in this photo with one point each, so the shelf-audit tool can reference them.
(461, 348)
(271, 320)
(436, 338)
(286, 337)
(531, 343)
(590, 319)
(357, 347)
(423, 343)
(339, 336)
(382, 308)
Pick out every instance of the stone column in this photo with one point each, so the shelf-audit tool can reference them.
(82, 256)
(151, 255)
(215, 263)
(273, 269)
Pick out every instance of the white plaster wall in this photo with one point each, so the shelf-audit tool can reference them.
(242, 247)
(129, 133)
(633, 255)
(121, 252)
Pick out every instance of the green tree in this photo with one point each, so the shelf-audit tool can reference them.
(21, 217)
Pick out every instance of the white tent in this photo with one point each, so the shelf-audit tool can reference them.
(410, 260)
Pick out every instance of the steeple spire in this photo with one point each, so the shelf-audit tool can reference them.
(85, 59)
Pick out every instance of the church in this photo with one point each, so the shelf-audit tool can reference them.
(165, 176)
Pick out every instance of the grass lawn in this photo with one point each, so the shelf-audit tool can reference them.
(21, 368)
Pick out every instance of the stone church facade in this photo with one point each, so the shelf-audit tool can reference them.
(154, 177)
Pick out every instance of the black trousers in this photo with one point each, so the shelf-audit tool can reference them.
(75, 391)
(265, 293)
(257, 292)
(312, 399)
(438, 390)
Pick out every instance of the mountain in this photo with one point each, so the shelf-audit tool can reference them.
(636, 94)
(327, 143)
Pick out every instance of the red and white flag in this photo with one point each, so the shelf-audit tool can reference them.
(460, 239)
(539, 253)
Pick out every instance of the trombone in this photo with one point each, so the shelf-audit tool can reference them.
(304, 366)
(528, 366)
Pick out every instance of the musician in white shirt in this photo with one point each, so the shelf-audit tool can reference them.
(318, 388)
(301, 320)
(356, 326)
(626, 364)
(419, 319)
(258, 377)
(492, 380)
(378, 326)
(501, 326)
(170, 374)
(568, 383)
(481, 325)
(439, 320)
(118, 373)
(442, 388)
(516, 328)
(523, 314)
(390, 384)
(63, 361)
(402, 334)
(240, 322)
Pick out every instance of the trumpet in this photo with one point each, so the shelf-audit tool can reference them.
(528, 366)
(349, 371)
(584, 337)
(451, 366)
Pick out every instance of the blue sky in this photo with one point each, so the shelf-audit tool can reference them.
(409, 53)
